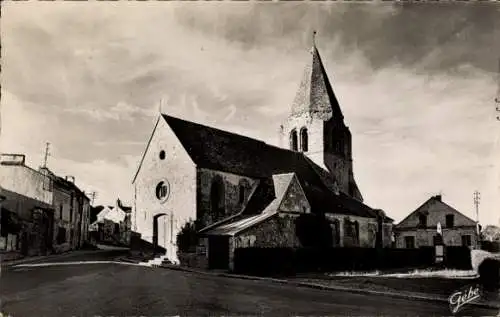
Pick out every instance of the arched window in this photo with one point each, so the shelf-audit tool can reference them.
(242, 194)
(303, 140)
(293, 140)
(217, 197)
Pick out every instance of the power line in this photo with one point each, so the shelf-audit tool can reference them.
(497, 97)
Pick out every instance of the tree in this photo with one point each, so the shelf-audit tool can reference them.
(491, 233)
(187, 238)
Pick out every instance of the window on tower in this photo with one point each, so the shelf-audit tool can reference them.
(293, 140)
(303, 140)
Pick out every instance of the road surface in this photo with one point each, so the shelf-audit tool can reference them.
(129, 290)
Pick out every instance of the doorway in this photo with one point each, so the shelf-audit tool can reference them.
(218, 252)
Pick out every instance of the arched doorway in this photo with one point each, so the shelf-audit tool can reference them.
(156, 249)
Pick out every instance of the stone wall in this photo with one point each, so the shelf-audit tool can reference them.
(436, 211)
(368, 228)
(26, 181)
(314, 132)
(425, 237)
(34, 224)
(165, 160)
(63, 206)
(232, 203)
(277, 231)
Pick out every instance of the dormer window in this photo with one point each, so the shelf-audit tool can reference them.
(304, 140)
(293, 140)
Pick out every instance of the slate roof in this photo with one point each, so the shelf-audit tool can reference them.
(232, 153)
(315, 94)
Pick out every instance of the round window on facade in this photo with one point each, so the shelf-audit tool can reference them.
(162, 191)
(162, 155)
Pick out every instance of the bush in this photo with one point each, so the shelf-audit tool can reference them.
(187, 238)
(489, 274)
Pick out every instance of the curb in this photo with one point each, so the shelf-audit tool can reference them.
(28, 260)
(323, 287)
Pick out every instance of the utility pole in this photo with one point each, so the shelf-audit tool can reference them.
(47, 154)
(497, 97)
(477, 198)
(92, 197)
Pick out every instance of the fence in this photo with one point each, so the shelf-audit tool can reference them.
(288, 261)
(490, 246)
(458, 258)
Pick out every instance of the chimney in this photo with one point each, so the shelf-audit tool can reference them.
(438, 197)
(12, 159)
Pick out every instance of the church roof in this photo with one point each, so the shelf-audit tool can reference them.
(315, 94)
(279, 185)
(232, 153)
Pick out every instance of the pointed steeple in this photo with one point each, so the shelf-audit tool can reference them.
(315, 94)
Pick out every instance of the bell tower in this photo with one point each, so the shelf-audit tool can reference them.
(315, 126)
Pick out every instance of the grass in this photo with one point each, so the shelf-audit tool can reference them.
(424, 285)
(423, 273)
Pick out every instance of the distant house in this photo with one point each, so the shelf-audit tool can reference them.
(112, 224)
(27, 213)
(419, 228)
(71, 213)
(42, 212)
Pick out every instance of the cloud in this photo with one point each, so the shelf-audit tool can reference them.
(120, 112)
(415, 83)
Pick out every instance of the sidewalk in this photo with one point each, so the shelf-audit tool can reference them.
(359, 286)
(48, 257)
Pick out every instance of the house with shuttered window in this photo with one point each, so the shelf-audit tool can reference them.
(419, 228)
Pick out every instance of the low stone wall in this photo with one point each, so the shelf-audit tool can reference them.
(10, 256)
(193, 260)
(61, 248)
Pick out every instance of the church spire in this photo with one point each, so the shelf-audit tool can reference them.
(315, 94)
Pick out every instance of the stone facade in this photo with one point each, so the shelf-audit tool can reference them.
(71, 215)
(44, 203)
(34, 219)
(233, 193)
(365, 234)
(425, 237)
(63, 216)
(165, 160)
(27, 182)
(28, 197)
(191, 172)
(278, 231)
(420, 227)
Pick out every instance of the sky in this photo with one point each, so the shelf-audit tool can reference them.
(416, 84)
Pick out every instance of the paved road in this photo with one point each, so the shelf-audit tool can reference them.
(126, 290)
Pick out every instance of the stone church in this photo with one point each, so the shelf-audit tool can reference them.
(242, 192)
